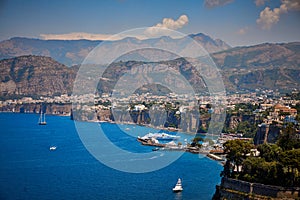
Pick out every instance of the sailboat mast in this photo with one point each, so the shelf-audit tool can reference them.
(42, 119)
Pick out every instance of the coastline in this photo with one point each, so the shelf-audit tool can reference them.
(159, 128)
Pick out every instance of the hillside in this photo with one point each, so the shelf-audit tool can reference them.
(259, 56)
(263, 66)
(34, 76)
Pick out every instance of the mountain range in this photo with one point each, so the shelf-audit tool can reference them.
(263, 66)
(73, 52)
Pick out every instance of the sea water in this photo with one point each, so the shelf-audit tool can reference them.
(29, 170)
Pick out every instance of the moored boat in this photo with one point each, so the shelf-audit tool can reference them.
(42, 119)
(161, 136)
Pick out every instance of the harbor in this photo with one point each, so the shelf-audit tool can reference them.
(158, 140)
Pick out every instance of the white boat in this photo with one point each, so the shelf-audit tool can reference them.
(42, 119)
(161, 136)
(52, 148)
(178, 186)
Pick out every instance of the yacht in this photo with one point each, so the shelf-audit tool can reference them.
(178, 186)
(161, 136)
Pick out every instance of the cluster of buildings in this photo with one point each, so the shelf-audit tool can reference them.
(271, 107)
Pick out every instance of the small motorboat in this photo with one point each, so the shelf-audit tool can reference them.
(178, 186)
(52, 148)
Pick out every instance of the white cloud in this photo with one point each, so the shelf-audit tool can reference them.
(79, 36)
(166, 24)
(292, 4)
(243, 31)
(260, 2)
(269, 17)
(216, 3)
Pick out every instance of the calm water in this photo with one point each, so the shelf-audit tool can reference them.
(29, 170)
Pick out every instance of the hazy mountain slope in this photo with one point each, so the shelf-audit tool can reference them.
(265, 66)
(68, 52)
(71, 52)
(258, 56)
(210, 44)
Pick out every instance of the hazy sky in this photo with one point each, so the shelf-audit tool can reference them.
(237, 22)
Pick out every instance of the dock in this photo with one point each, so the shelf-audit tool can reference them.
(166, 147)
(150, 143)
(214, 157)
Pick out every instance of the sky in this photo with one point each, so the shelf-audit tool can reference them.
(237, 22)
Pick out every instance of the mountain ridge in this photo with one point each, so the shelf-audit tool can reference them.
(72, 52)
(263, 66)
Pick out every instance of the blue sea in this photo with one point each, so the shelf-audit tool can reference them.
(29, 170)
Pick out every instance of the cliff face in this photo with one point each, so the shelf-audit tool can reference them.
(48, 108)
(166, 119)
(34, 76)
(266, 133)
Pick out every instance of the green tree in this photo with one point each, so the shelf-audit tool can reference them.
(270, 152)
(288, 139)
(291, 160)
(236, 151)
(256, 169)
(247, 129)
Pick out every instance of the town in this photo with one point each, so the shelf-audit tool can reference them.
(258, 115)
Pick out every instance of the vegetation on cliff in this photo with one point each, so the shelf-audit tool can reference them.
(277, 164)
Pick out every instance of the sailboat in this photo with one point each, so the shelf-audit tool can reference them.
(178, 186)
(42, 119)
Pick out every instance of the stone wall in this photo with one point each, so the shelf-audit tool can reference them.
(233, 184)
(237, 189)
